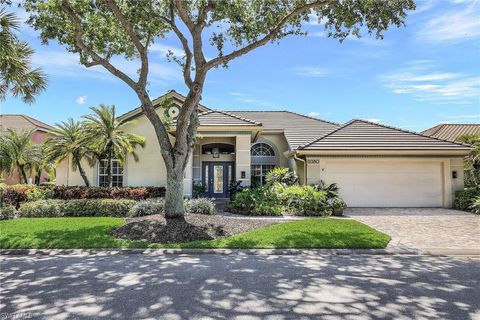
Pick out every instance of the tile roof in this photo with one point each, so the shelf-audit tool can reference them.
(451, 132)
(364, 135)
(223, 118)
(297, 128)
(21, 122)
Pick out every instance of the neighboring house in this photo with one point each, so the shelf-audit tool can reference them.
(374, 165)
(23, 123)
(452, 132)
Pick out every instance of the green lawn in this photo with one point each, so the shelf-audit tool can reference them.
(69, 233)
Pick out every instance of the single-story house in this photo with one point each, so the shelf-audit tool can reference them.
(373, 164)
(24, 123)
(451, 132)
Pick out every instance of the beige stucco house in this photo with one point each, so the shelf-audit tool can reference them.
(374, 165)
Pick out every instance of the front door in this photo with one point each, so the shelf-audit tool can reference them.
(216, 177)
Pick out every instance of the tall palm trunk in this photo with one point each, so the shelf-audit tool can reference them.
(23, 174)
(109, 169)
(82, 172)
(38, 176)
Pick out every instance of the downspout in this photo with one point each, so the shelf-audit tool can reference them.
(304, 167)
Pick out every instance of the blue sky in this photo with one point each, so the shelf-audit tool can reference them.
(418, 76)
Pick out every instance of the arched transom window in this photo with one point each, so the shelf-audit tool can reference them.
(264, 159)
(262, 150)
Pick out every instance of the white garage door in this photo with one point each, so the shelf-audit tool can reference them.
(387, 184)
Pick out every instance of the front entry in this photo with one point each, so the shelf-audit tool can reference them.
(216, 177)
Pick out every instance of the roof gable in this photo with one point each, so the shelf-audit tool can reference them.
(178, 99)
(452, 132)
(22, 122)
(365, 135)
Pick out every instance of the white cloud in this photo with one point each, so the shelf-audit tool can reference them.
(425, 84)
(81, 99)
(452, 26)
(165, 49)
(374, 120)
(66, 64)
(313, 114)
(310, 72)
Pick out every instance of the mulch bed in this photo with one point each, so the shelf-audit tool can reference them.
(195, 227)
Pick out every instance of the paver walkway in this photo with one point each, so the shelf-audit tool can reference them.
(424, 229)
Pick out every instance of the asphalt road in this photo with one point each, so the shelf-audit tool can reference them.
(239, 287)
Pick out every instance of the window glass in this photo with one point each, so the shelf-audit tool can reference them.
(258, 172)
(117, 174)
(262, 150)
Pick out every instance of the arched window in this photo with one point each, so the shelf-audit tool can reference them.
(264, 159)
(262, 150)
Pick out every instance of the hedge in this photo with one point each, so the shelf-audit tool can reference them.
(76, 208)
(17, 194)
(464, 198)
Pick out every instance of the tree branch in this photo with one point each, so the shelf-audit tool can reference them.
(188, 53)
(97, 59)
(268, 37)
(142, 50)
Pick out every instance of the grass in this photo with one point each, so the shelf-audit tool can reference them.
(67, 233)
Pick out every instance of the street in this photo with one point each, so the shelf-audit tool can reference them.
(208, 286)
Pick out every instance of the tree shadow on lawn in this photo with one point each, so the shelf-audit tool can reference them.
(308, 239)
(235, 286)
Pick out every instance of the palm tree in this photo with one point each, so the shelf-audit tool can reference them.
(65, 141)
(472, 161)
(40, 163)
(16, 74)
(18, 152)
(104, 133)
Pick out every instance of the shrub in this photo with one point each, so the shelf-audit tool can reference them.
(201, 206)
(77, 208)
(284, 176)
(147, 207)
(7, 212)
(36, 194)
(475, 207)
(464, 198)
(15, 194)
(41, 208)
(261, 201)
(305, 200)
(97, 207)
(198, 189)
(234, 187)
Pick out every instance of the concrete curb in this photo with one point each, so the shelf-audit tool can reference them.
(159, 252)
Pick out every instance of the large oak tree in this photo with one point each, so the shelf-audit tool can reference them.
(103, 29)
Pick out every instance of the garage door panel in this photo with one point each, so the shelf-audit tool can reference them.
(395, 184)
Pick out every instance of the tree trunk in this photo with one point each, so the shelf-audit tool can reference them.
(23, 174)
(174, 208)
(82, 172)
(109, 169)
(38, 176)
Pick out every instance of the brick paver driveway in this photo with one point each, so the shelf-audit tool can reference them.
(433, 230)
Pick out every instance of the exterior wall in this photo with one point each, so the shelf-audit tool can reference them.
(317, 169)
(243, 159)
(66, 176)
(150, 170)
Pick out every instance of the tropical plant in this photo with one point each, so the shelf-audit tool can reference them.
(331, 189)
(65, 140)
(17, 152)
(104, 134)
(286, 177)
(475, 207)
(101, 30)
(472, 161)
(16, 75)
